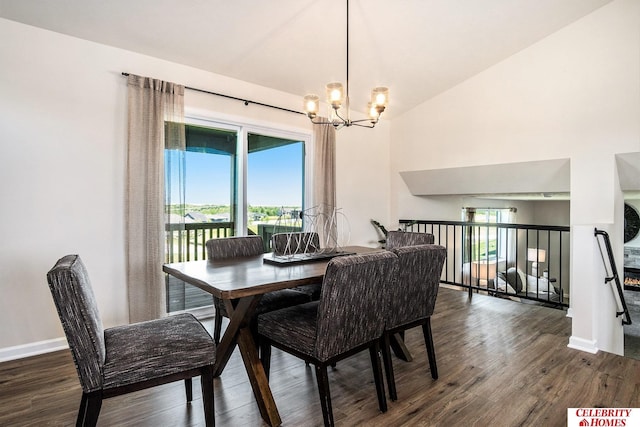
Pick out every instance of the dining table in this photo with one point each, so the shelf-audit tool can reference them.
(240, 283)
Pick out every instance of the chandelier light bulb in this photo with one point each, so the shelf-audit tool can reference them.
(373, 112)
(335, 94)
(380, 96)
(311, 105)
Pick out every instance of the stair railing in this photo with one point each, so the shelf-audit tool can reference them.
(619, 295)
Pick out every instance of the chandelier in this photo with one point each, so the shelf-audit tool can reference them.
(338, 98)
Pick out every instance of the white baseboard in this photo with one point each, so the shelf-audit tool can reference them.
(32, 349)
(583, 345)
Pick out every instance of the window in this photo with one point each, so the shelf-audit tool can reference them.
(275, 185)
(238, 180)
(486, 248)
(486, 243)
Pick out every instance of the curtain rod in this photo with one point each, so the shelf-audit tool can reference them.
(494, 208)
(246, 101)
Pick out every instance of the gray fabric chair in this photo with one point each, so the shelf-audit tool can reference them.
(115, 361)
(348, 318)
(244, 246)
(396, 239)
(412, 300)
(284, 244)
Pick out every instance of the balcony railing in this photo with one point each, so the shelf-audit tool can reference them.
(194, 236)
(480, 253)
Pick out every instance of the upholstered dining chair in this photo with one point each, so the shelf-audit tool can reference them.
(305, 242)
(348, 318)
(412, 301)
(395, 239)
(407, 238)
(123, 359)
(244, 246)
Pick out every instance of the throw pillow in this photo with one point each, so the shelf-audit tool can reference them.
(513, 278)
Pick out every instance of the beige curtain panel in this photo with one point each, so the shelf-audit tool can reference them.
(151, 103)
(324, 187)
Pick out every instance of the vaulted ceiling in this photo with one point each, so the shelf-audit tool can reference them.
(418, 48)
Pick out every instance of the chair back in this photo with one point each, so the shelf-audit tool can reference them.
(232, 247)
(396, 239)
(413, 296)
(78, 312)
(295, 243)
(353, 302)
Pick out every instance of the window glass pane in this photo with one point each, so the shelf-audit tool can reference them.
(275, 177)
(210, 203)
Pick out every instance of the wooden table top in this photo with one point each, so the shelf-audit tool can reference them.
(246, 276)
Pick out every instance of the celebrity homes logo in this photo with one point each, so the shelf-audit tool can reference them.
(603, 417)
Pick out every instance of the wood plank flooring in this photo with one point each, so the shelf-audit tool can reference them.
(501, 363)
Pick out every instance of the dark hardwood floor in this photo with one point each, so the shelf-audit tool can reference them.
(500, 363)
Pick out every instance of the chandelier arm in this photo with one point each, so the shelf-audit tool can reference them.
(340, 117)
(320, 122)
(364, 120)
(362, 125)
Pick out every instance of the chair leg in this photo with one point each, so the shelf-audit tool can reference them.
(431, 351)
(188, 389)
(206, 384)
(325, 396)
(374, 352)
(89, 409)
(388, 367)
(265, 355)
(217, 327)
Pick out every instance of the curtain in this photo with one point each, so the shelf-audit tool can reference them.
(468, 215)
(324, 191)
(155, 118)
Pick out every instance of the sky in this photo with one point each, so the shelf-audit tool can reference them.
(274, 177)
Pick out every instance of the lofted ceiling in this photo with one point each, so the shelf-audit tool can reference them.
(418, 48)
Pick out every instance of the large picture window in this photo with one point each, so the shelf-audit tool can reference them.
(238, 181)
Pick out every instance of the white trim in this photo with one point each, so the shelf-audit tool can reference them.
(32, 349)
(583, 345)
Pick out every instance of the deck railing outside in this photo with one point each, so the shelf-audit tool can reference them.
(478, 252)
(186, 242)
(194, 235)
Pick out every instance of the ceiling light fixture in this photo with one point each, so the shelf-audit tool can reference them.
(337, 98)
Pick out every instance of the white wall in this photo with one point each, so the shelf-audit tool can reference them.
(574, 94)
(63, 137)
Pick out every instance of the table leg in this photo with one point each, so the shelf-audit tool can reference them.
(239, 317)
(258, 378)
(399, 348)
(239, 332)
